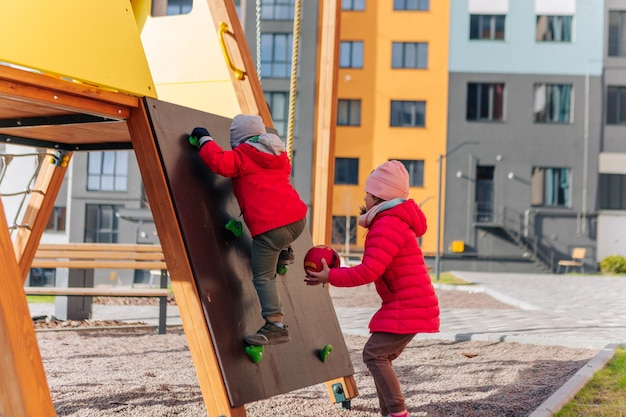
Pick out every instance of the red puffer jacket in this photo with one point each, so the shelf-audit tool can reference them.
(393, 260)
(261, 184)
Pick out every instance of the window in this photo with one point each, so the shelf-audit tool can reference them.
(616, 105)
(346, 171)
(277, 10)
(107, 171)
(171, 7)
(612, 192)
(354, 5)
(554, 29)
(349, 113)
(408, 113)
(550, 187)
(56, 222)
(552, 103)
(617, 33)
(409, 55)
(487, 27)
(351, 54)
(416, 171)
(278, 103)
(101, 223)
(410, 4)
(485, 102)
(276, 55)
(344, 230)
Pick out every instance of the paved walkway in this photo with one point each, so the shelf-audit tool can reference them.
(565, 310)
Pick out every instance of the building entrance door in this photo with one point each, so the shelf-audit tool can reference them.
(484, 194)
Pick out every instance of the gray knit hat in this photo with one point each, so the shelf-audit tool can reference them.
(245, 126)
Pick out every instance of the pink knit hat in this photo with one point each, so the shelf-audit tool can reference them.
(390, 180)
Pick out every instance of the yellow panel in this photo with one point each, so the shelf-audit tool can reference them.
(188, 66)
(458, 246)
(95, 42)
(217, 98)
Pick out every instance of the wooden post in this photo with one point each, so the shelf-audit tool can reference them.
(326, 119)
(40, 206)
(24, 390)
(248, 90)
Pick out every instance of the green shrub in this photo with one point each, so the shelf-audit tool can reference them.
(613, 264)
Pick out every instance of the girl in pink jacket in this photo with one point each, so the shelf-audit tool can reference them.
(394, 262)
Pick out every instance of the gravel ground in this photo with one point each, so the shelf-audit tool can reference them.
(124, 372)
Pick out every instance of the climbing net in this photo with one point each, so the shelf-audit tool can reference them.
(19, 168)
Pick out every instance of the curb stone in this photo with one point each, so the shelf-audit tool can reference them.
(569, 390)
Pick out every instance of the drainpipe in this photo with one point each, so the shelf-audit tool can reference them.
(583, 221)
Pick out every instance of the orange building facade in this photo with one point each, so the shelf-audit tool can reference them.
(392, 104)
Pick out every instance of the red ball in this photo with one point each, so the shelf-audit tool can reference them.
(313, 258)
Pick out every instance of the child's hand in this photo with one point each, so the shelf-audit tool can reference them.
(317, 278)
(197, 134)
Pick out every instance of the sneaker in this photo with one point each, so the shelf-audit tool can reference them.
(269, 334)
(286, 256)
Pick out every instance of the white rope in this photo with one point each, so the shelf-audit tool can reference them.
(258, 38)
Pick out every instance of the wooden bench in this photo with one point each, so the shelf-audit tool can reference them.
(104, 256)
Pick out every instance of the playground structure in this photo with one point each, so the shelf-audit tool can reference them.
(82, 106)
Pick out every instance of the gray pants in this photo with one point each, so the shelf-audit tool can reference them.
(265, 250)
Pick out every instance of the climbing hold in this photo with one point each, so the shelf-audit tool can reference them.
(281, 269)
(325, 352)
(235, 227)
(255, 352)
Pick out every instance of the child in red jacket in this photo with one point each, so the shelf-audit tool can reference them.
(272, 209)
(393, 261)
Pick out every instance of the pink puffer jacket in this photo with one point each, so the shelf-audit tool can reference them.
(394, 261)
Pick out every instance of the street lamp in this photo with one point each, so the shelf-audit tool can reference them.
(438, 248)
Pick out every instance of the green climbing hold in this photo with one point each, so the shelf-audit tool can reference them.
(325, 352)
(255, 352)
(281, 269)
(235, 227)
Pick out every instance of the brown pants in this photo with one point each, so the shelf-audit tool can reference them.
(379, 351)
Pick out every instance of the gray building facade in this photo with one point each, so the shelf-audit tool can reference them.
(524, 133)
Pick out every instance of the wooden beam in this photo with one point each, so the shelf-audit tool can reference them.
(98, 292)
(122, 247)
(24, 390)
(326, 119)
(96, 255)
(53, 263)
(248, 90)
(38, 211)
(59, 99)
(52, 83)
(191, 312)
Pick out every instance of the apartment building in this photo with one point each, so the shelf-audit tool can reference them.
(525, 132)
(392, 104)
(612, 158)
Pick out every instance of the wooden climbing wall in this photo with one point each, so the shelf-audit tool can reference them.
(203, 202)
